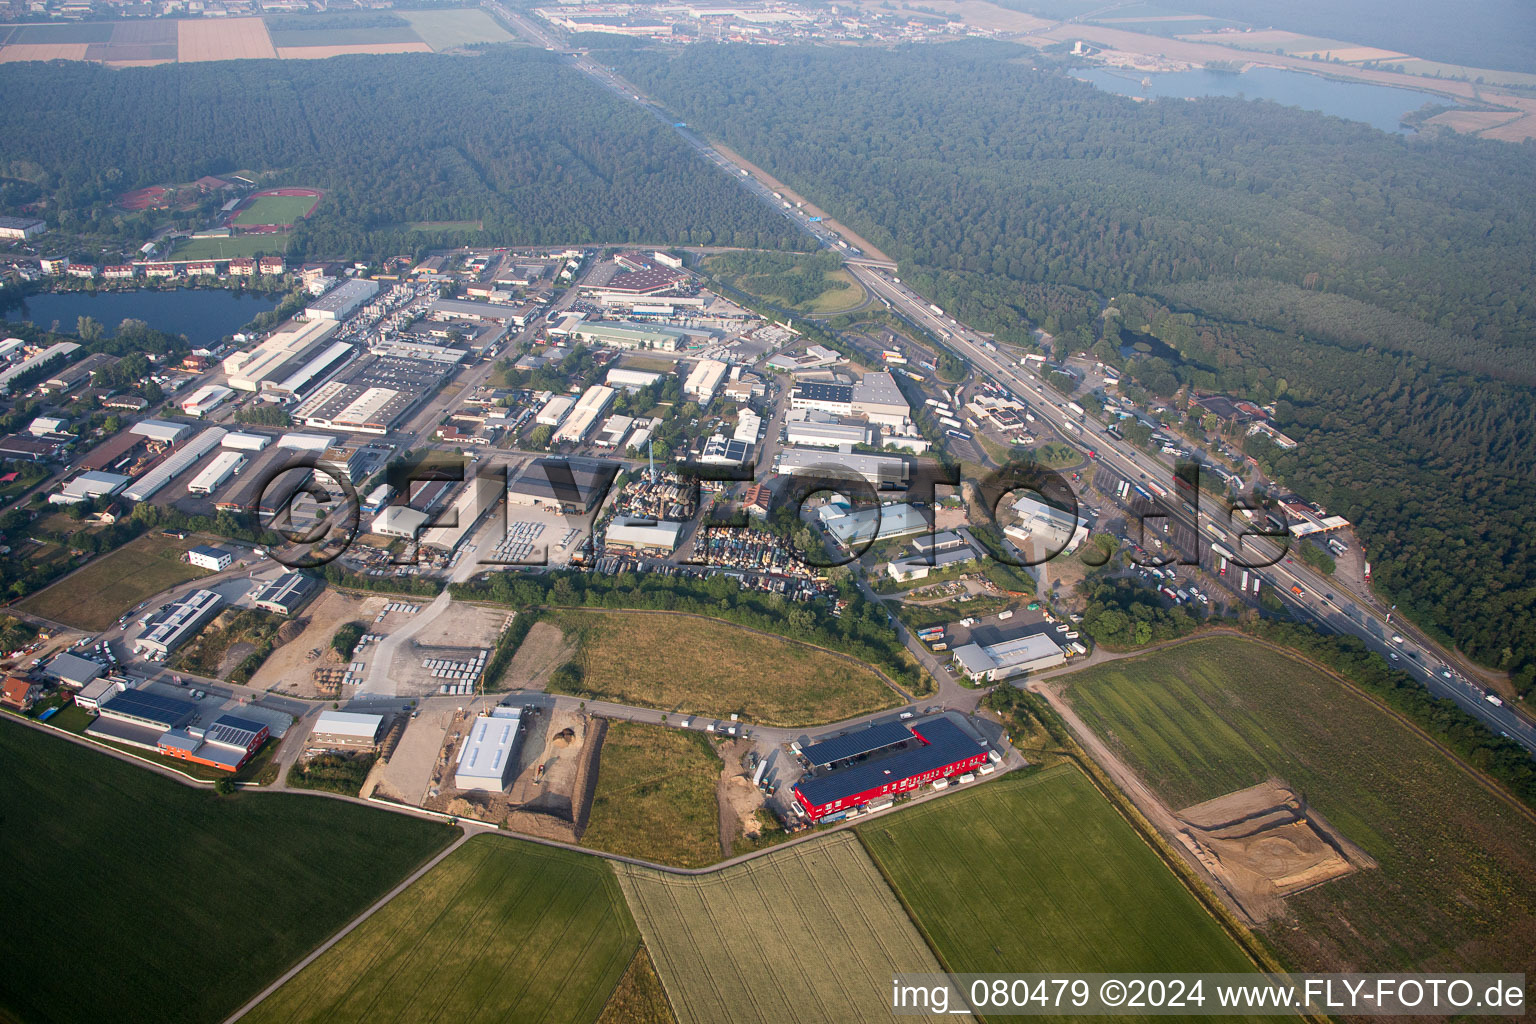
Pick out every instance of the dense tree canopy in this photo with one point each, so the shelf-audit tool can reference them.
(1380, 289)
(511, 138)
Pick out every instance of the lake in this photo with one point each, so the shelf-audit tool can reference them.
(1380, 106)
(204, 315)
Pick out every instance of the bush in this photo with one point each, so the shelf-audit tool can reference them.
(346, 639)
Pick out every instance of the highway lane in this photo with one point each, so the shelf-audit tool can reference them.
(1362, 620)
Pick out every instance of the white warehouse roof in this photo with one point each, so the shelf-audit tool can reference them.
(488, 753)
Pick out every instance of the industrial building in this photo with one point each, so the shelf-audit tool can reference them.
(613, 431)
(174, 465)
(879, 471)
(346, 730)
(88, 486)
(245, 442)
(400, 521)
(999, 661)
(73, 670)
(817, 396)
(630, 380)
(205, 399)
(624, 334)
(314, 372)
(286, 594)
(478, 496)
(177, 623)
(1044, 530)
(643, 534)
(217, 473)
(161, 431)
(853, 529)
(939, 749)
(554, 410)
(565, 485)
(205, 557)
(822, 430)
(22, 228)
(374, 396)
(37, 362)
(489, 752)
(749, 427)
(139, 718)
(877, 398)
(227, 744)
(704, 380)
(720, 450)
(285, 351)
(947, 550)
(340, 302)
(578, 423)
(849, 747)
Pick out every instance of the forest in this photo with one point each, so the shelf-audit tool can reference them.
(510, 138)
(1380, 289)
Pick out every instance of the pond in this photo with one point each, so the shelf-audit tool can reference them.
(204, 315)
(1380, 106)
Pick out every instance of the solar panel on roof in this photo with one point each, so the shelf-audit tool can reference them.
(840, 748)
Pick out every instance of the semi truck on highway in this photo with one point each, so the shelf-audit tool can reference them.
(936, 309)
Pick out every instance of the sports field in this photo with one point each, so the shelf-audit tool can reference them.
(96, 595)
(807, 934)
(273, 243)
(273, 209)
(500, 931)
(187, 902)
(1040, 873)
(655, 796)
(703, 666)
(1456, 885)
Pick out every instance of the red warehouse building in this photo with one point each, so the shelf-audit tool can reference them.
(942, 749)
(227, 743)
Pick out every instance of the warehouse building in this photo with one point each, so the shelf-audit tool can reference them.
(879, 471)
(346, 730)
(21, 228)
(918, 566)
(613, 431)
(554, 410)
(877, 398)
(224, 466)
(999, 661)
(489, 752)
(1043, 530)
(139, 718)
(37, 362)
(227, 744)
(853, 529)
(146, 486)
(178, 623)
(848, 748)
(636, 534)
(73, 670)
(565, 485)
(285, 351)
(720, 450)
(817, 396)
(340, 302)
(161, 431)
(374, 396)
(286, 594)
(88, 486)
(704, 380)
(245, 442)
(400, 521)
(942, 750)
(312, 373)
(206, 399)
(625, 334)
(822, 430)
(578, 423)
(630, 380)
(478, 496)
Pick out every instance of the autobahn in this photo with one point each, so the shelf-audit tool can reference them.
(1324, 601)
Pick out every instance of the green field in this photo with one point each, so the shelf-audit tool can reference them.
(234, 247)
(810, 284)
(701, 666)
(655, 796)
(1456, 885)
(1040, 873)
(444, 225)
(192, 901)
(500, 931)
(97, 594)
(301, 35)
(806, 934)
(275, 210)
(446, 30)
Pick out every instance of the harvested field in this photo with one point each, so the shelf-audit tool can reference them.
(222, 39)
(704, 666)
(42, 51)
(1473, 121)
(447, 30)
(542, 651)
(810, 933)
(94, 596)
(322, 52)
(499, 931)
(1040, 873)
(655, 796)
(1455, 888)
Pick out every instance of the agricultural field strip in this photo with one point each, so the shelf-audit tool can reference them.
(388, 978)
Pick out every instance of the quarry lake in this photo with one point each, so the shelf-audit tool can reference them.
(204, 315)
